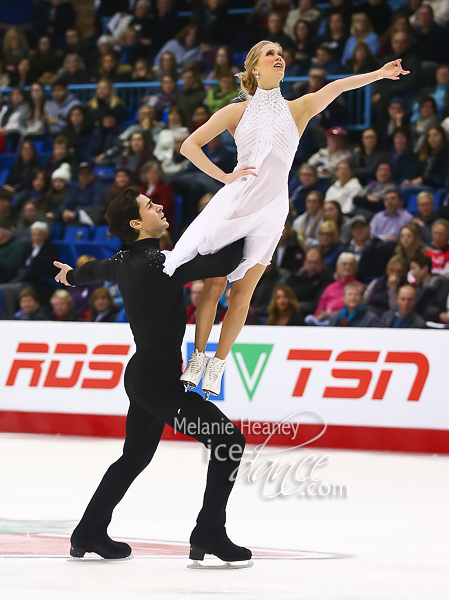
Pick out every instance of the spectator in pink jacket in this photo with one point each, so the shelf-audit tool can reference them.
(332, 299)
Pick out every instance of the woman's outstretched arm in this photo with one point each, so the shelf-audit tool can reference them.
(312, 104)
(225, 118)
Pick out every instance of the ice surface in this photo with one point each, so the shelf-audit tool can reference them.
(387, 539)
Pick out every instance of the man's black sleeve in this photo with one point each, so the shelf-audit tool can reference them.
(94, 270)
(206, 266)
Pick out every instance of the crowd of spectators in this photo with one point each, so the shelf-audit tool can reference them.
(367, 239)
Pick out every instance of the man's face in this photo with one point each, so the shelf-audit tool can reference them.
(335, 142)
(188, 80)
(195, 292)
(307, 177)
(28, 304)
(426, 110)
(274, 23)
(395, 109)
(439, 237)
(406, 301)
(59, 151)
(71, 37)
(164, 6)
(360, 233)
(59, 93)
(85, 177)
(344, 172)
(352, 298)
(226, 84)
(400, 141)
(29, 212)
(425, 17)
(317, 78)
(392, 202)
(108, 122)
(313, 262)
(5, 206)
(417, 272)
(400, 43)
(425, 206)
(152, 219)
(383, 173)
(443, 75)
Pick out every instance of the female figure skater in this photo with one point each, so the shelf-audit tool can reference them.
(254, 202)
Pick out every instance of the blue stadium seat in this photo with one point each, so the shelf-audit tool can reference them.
(67, 246)
(4, 176)
(7, 160)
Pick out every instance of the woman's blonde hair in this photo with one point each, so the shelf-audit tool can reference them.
(293, 304)
(112, 100)
(14, 32)
(247, 77)
(64, 294)
(333, 227)
(369, 27)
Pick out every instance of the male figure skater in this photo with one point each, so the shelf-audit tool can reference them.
(155, 308)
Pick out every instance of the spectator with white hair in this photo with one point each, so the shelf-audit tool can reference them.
(355, 312)
(62, 307)
(332, 299)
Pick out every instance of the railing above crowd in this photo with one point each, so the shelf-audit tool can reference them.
(358, 101)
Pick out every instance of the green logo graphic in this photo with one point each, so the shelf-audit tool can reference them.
(251, 360)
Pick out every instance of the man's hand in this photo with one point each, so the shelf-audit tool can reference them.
(418, 222)
(68, 215)
(323, 315)
(62, 275)
(390, 238)
(444, 317)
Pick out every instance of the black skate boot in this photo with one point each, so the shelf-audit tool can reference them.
(103, 545)
(221, 547)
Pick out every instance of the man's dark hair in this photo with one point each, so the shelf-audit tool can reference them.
(59, 83)
(29, 291)
(6, 194)
(123, 209)
(422, 260)
(395, 191)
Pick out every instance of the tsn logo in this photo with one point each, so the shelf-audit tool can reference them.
(362, 376)
(48, 377)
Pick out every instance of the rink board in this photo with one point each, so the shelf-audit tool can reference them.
(374, 389)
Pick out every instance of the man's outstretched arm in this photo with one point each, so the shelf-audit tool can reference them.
(207, 266)
(93, 270)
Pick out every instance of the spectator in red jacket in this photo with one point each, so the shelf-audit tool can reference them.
(439, 252)
(158, 190)
(196, 289)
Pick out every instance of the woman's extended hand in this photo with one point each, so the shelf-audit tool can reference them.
(392, 70)
(230, 177)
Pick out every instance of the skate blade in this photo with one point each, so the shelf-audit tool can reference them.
(223, 567)
(98, 559)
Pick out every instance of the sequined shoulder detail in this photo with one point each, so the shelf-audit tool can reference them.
(118, 258)
(154, 257)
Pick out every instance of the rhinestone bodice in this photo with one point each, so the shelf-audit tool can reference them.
(266, 126)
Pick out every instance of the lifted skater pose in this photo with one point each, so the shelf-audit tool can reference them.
(254, 202)
(155, 307)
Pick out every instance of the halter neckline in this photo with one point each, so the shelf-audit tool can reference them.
(270, 95)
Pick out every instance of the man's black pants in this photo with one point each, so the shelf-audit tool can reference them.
(157, 397)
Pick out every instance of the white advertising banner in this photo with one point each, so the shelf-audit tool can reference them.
(380, 378)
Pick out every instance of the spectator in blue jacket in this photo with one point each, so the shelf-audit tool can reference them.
(355, 312)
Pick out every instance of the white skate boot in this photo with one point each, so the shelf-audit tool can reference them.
(195, 369)
(212, 377)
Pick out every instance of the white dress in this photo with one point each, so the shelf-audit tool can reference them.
(254, 208)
